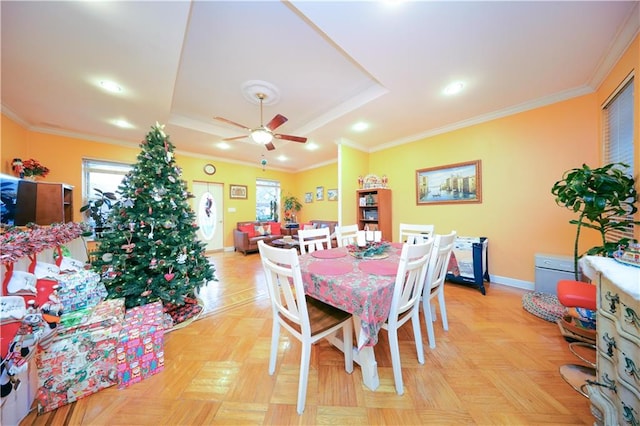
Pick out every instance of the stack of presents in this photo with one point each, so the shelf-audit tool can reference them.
(61, 340)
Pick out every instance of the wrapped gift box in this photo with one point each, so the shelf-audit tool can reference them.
(140, 351)
(81, 359)
(80, 290)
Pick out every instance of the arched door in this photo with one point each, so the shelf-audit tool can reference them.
(208, 208)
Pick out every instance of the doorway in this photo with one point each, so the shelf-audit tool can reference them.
(208, 208)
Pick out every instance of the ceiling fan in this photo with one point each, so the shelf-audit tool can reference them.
(264, 133)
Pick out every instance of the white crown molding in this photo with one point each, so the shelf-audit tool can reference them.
(537, 103)
(620, 44)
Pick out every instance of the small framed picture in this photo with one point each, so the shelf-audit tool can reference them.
(320, 193)
(308, 197)
(238, 192)
(332, 194)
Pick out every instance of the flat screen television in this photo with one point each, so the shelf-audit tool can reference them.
(8, 198)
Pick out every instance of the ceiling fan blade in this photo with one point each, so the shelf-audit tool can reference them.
(270, 146)
(276, 122)
(242, 126)
(235, 138)
(290, 138)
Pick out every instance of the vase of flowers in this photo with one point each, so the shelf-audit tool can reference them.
(32, 169)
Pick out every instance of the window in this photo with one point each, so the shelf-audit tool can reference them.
(618, 138)
(267, 200)
(103, 175)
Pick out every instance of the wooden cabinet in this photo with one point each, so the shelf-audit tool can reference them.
(374, 211)
(615, 394)
(43, 203)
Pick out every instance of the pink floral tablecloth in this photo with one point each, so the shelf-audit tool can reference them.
(362, 293)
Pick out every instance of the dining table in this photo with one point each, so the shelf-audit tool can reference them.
(360, 286)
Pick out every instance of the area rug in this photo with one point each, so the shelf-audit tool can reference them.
(543, 305)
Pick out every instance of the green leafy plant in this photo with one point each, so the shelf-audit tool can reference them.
(605, 200)
(290, 204)
(98, 209)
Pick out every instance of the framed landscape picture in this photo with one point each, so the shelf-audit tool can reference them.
(308, 197)
(332, 194)
(453, 183)
(319, 193)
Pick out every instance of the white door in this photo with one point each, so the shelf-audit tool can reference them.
(209, 213)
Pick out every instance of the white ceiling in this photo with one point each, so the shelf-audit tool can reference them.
(333, 63)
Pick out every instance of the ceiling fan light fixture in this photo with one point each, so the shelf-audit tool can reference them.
(261, 136)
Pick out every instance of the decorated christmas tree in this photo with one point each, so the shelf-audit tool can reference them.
(152, 252)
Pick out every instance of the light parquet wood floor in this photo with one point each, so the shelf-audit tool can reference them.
(497, 365)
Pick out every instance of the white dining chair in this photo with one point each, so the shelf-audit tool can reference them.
(434, 283)
(346, 235)
(409, 232)
(405, 304)
(306, 318)
(314, 239)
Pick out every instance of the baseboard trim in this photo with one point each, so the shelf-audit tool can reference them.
(512, 282)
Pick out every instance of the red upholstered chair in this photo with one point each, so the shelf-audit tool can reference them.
(576, 294)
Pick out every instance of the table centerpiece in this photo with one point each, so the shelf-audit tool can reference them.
(371, 250)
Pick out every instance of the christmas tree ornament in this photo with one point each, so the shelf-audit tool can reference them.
(128, 248)
(132, 226)
(182, 258)
(171, 179)
(145, 293)
(151, 232)
(127, 203)
(153, 264)
(107, 257)
(169, 275)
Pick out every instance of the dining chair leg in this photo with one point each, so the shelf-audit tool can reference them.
(428, 321)
(417, 335)
(305, 360)
(443, 310)
(395, 360)
(275, 337)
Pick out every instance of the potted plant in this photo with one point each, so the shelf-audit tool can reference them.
(290, 205)
(98, 209)
(605, 200)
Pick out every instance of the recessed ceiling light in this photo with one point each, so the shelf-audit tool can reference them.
(360, 126)
(282, 158)
(311, 146)
(110, 86)
(453, 88)
(123, 124)
(223, 145)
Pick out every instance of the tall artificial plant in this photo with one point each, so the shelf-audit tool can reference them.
(605, 200)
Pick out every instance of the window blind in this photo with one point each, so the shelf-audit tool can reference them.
(618, 139)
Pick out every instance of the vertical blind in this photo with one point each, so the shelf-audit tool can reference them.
(618, 138)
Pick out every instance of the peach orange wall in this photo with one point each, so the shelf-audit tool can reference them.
(522, 156)
(14, 138)
(353, 163)
(307, 181)
(63, 155)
